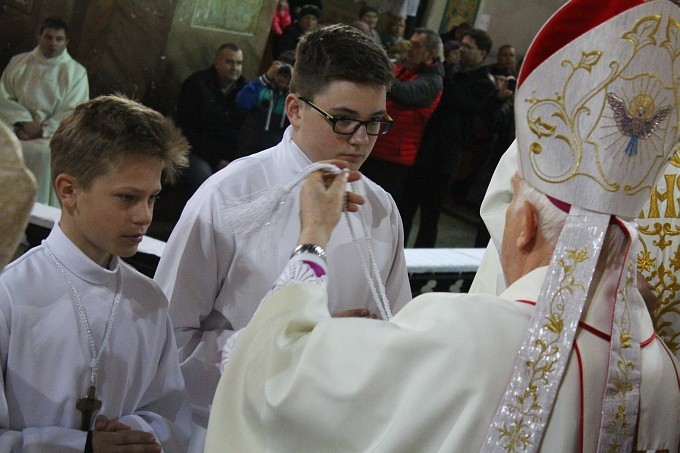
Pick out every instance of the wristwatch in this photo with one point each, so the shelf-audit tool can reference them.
(310, 248)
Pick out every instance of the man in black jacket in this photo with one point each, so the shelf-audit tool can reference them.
(211, 119)
(457, 126)
(209, 116)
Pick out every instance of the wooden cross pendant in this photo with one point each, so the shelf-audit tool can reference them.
(87, 406)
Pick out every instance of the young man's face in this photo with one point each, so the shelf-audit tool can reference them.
(398, 28)
(111, 217)
(370, 18)
(313, 133)
(506, 57)
(52, 42)
(470, 54)
(309, 22)
(229, 65)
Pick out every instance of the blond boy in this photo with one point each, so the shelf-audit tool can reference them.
(88, 353)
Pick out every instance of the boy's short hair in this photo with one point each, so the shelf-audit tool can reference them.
(91, 141)
(54, 23)
(338, 52)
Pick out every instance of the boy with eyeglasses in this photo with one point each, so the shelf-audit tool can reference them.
(215, 275)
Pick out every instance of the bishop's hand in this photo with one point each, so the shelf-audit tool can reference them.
(323, 197)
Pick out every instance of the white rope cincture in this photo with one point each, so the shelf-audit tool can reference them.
(95, 355)
(375, 283)
(250, 216)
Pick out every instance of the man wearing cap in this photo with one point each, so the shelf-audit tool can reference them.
(566, 359)
(308, 20)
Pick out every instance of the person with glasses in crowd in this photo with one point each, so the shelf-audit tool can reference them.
(230, 244)
(458, 127)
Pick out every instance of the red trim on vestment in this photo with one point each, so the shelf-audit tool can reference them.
(596, 332)
(583, 325)
(526, 301)
(582, 415)
(571, 21)
(648, 340)
(559, 204)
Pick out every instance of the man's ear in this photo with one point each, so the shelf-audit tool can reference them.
(293, 108)
(527, 236)
(66, 188)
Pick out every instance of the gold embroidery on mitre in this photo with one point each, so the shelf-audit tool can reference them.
(623, 116)
(643, 32)
(659, 258)
(618, 424)
(675, 160)
(515, 436)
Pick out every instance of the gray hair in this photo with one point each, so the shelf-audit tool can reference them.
(433, 41)
(551, 221)
(550, 218)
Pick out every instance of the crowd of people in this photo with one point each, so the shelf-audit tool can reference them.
(454, 111)
(280, 317)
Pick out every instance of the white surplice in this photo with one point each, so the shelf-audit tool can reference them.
(46, 356)
(215, 279)
(430, 380)
(46, 90)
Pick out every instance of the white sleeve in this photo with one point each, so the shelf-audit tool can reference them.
(190, 273)
(10, 110)
(397, 286)
(164, 409)
(489, 277)
(77, 92)
(499, 195)
(305, 267)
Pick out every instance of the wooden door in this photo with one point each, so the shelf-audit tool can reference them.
(122, 44)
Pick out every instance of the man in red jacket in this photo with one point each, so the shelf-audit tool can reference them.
(410, 102)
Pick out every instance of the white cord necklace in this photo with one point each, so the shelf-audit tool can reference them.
(90, 403)
(375, 283)
(246, 219)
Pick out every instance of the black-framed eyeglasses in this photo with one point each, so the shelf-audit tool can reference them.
(346, 126)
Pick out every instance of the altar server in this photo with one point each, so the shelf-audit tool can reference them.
(83, 334)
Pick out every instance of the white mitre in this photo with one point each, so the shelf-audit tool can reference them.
(597, 119)
(17, 194)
